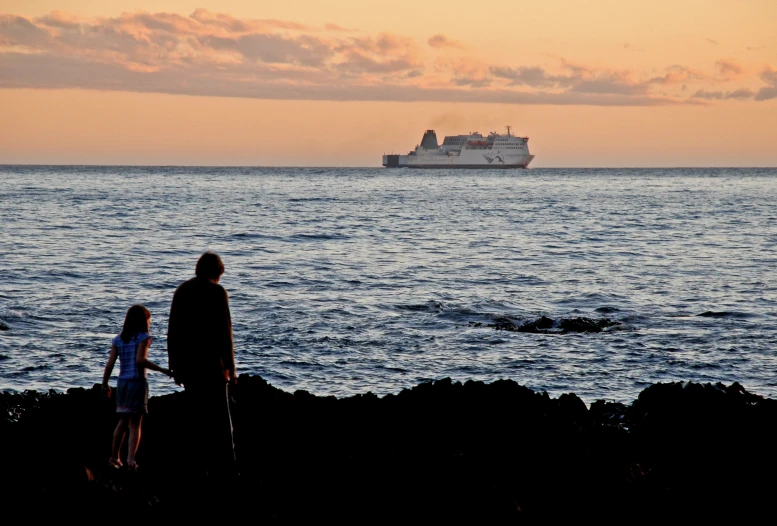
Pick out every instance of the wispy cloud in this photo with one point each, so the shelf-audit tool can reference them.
(740, 94)
(441, 41)
(729, 69)
(535, 77)
(769, 76)
(335, 27)
(216, 54)
(768, 92)
(676, 74)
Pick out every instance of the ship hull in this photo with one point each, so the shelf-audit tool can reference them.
(469, 166)
(466, 166)
(402, 161)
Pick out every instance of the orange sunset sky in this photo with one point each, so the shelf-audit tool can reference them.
(307, 83)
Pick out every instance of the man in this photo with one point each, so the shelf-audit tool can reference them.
(201, 356)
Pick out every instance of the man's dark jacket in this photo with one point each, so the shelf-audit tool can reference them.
(200, 346)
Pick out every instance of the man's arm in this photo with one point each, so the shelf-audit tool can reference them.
(173, 338)
(227, 344)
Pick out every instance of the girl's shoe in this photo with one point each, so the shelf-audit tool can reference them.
(115, 463)
(132, 465)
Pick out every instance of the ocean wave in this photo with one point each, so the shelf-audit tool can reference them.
(319, 237)
(430, 306)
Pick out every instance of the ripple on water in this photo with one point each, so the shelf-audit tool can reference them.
(347, 280)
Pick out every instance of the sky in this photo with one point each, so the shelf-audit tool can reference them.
(601, 83)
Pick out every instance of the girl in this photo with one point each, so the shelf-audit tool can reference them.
(131, 348)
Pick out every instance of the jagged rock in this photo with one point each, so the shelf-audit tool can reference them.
(442, 450)
(4, 327)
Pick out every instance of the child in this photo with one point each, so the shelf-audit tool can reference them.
(131, 348)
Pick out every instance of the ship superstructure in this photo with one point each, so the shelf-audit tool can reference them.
(465, 151)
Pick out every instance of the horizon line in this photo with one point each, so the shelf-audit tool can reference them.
(121, 165)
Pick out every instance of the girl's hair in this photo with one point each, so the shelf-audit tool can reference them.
(136, 321)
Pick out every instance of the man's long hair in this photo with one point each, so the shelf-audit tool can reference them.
(135, 321)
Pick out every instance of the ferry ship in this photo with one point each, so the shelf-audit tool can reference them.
(465, 151)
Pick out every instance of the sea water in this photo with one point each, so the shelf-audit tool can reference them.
(346, 281)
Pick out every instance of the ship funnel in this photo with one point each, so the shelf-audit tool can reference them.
(429, 142)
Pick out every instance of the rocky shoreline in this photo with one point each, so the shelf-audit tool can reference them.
(442, 451)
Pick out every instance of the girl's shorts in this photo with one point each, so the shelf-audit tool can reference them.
(132, 396)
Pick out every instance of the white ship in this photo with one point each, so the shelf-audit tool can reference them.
(465, 151)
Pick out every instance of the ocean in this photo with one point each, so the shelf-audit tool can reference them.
(344, 281)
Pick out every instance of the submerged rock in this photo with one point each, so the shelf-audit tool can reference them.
(545, 325)
(582, 324)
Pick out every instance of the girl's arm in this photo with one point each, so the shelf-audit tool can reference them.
(141, 358)
(109, 367)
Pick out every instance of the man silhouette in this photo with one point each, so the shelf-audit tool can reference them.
(201, 356)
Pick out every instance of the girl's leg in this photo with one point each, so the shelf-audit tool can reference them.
(135, 422)
(118, 440)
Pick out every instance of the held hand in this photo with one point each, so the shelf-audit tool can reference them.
(230, 376)
(106, 390)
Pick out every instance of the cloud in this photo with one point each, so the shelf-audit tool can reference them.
(17, 30)
(740, 94)
(60, 19)
(236, 25)
(474, 82)
(441, 41)
(769, 76)
(386, 53)
(361, 63)
(533, 76)
(766, 93)
(45, 72)
(677, 74)
(728, 69)
(575, 78)
(269, 48)
(215, 54)
(335, 27)
(615, 83)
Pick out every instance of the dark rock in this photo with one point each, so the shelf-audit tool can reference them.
(608, 413)
(440, 451)
(545, 325)
(4, 327)
(582, 324)
(541, 324)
